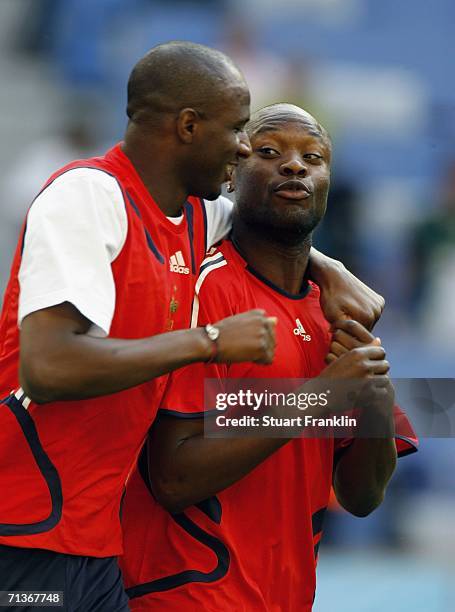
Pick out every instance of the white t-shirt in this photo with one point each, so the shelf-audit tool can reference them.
(75, 229)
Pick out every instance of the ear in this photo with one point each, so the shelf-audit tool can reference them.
(187, 124)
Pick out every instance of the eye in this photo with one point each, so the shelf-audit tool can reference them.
(313, 157)
(267, 151)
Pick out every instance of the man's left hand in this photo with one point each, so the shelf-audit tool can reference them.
(343, 295)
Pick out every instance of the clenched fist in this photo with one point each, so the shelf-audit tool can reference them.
(249, 336)
(357, 357)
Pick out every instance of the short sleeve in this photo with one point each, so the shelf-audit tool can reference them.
(184, 396)
(406, 440)
(75, 229)
(219, 219)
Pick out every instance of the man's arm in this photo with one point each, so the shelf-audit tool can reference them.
(343, 296)
(362, 471)
(185, 467)
(59, 361)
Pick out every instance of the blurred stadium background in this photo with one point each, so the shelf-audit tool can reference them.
(380, 76)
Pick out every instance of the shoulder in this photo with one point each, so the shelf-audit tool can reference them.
(220, 206)
(214, 210)
(315, 315)
(79, 201)
(219, 289)
(218, 215)
(74, 177)
(219, 271)
(76, 190)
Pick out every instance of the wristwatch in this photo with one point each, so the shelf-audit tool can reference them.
(212, 332)
(213, 335)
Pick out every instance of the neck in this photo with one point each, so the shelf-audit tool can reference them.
(282, 264)
(156, 172)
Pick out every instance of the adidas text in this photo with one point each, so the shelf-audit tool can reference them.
(178, 269)
(300, 331)
(177, 263)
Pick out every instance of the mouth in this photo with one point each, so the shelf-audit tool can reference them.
(293, 189)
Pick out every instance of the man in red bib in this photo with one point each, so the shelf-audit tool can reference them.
(235, 524)
(105, 267)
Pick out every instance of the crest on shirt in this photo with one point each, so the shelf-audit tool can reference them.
(173, 306)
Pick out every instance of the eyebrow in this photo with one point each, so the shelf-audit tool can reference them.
(323, 138)
(275, 126)
(264, 129)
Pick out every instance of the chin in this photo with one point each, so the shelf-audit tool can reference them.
(300, 220)
(211, 195)
(291, 230)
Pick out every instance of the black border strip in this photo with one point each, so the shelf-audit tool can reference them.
(414, 447)
(133, 204)
(58, 176)
(47, 469)
(303, 293)
(207, 264)
(190, 222)
(317, 520)
(148, 237)
(187, 415)
(212, 508)
(204, 218)
(175, 580)
(304, 289)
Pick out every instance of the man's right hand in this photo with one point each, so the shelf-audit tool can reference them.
(357, 358)
(358, 363)
(60, 360)
(249, 336)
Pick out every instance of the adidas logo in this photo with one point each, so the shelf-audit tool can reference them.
(177, 263)
(300, 331)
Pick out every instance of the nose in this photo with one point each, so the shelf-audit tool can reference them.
(244, 146)
(293, 166)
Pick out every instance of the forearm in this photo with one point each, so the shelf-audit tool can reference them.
(81, 366)
(201, 467)
(362, 473)
(343, 296)
(320, 265)
(59, 360)
(186, 467)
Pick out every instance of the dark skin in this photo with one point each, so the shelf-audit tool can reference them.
(82, 366)
(362, 471)
(186, 468)
(183, 140)
(370, 461)
(59, 361)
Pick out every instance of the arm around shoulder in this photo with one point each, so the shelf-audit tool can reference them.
(343, 295)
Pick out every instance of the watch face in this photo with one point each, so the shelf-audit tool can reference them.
(212, 332)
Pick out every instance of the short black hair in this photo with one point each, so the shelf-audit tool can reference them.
(273, 115)
(176, 75)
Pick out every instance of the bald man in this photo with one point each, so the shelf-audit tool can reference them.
(234, 522)
(104, 270)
